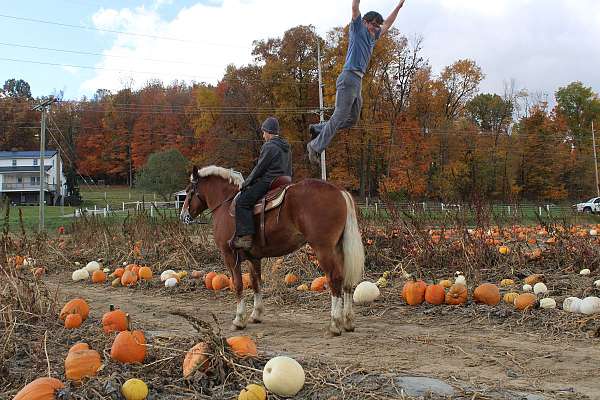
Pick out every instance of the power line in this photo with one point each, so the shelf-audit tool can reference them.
(82, 27)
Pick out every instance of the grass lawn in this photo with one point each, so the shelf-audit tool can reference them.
(53, 217)
(115, 196)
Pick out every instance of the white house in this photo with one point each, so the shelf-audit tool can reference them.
(20, 177)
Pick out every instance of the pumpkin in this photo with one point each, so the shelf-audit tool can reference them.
(366, 292)
(171, 282)
(509, 298)
(166, 275)
(75, 306)
(208, 279)
(118, 272)
(40, 389)
(572, 304)
(303, 288)
(525, 301)
(381, 282)
(116, 282)
(136, 270)
(457, 294)
(145, 273)
(129, 278)
(242, 346)
(196, 359)
(129, 347)
(253, 392)
(503, 250)
(597, 283)
(548, 303)
(507, 282)
(92, 266)
(290, 279)
(446, 283)
(487, 293)
(134, 389)
(540, 288)
(246, 280)
(319, 284)
(435, 294)
(460, 279)
(413, 291)
(585, 272)
(98, 277)
(527, 288)
(220, 282)
(283, 376)
(81, 362)
(114, 321)
(73, 321)
(181, 274)
(80, 275)
(590, 305)
(533, 279)
(196, 274)
(38, 272)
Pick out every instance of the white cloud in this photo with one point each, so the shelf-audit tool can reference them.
(542, 44)
(71, 70)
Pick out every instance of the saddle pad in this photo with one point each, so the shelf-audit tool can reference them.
(273, 202)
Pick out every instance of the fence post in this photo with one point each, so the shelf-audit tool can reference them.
(95, 209)
(137, 206)
(508, 210)
(105, 212)
(152, 209)
(442, 206)
(423, 206)
(376, 209)
(540, 210)
(548, 208)
(123, 206)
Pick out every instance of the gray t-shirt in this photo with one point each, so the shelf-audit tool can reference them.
(360, 46)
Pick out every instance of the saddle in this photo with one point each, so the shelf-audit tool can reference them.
(273, 199)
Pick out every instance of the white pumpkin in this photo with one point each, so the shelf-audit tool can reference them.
(283, 376)
(571, 304)
(80, 275)
(548, 303)
(597, 283)
(77, 264)
(584, 271)
(540, 288)
(106, 270)
(527, 288)
(125, 263)
(590, 305)
(92, 266)
(28, 262)
(166, 275)
(460, 278)
(171, 282)
(366, 292)
(593, 232)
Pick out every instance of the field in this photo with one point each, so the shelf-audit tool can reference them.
(471, 351)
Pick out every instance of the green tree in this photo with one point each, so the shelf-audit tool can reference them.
(16, 88)
(490, 112)
(164, 173)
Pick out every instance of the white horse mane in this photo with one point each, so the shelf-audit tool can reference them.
(232, 176)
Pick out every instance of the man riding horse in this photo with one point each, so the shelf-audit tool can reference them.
(275, 160)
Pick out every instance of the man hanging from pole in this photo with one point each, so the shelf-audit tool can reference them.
(364, 32)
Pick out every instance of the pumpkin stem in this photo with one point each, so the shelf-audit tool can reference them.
(128, 322)
(111, 307)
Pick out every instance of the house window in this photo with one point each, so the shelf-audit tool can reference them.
(19, 180)
(34, 180)
(35, 162)
(14, 163)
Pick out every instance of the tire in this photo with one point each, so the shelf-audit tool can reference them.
(587, 210)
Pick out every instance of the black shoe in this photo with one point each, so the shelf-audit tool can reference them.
(312, 129)
(243, 242)
(313, 156)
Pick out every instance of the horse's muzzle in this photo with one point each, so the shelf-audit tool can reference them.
(186, 218)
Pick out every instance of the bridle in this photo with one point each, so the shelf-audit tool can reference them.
(212, 210)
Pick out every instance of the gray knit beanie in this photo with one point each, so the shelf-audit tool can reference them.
(271, 125)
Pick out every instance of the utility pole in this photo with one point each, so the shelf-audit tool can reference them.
(595, 159)
(44, 107)
(321, 109)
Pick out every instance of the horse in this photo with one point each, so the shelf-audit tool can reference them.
(313, 211)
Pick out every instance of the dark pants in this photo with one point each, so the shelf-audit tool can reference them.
(244, 219)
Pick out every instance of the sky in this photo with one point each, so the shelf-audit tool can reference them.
(540, 45)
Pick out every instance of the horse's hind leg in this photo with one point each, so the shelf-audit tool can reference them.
(348, 313)
(331, 264)
(236, 274)
(257, 312)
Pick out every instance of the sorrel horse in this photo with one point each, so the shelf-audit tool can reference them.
(313, 211)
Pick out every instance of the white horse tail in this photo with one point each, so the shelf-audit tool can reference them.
(354, 252)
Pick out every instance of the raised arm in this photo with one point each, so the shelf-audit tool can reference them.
(355, 9)
(389, 21)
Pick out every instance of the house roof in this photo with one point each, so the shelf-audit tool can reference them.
(26, 154)
(31, 168)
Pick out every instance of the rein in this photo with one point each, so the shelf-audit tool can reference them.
(212, 210)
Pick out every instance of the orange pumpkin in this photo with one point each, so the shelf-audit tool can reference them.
(40, 389)
(129, 278)
(82, 362)
(118, 272)
(114, 321)
(129, 347)
(145, 273)
(220, 281)
(98, 277)
(38, 272)
(73, 321)
(457, 294)
(319, 284)
(525, 301)
(129, 267)
(75, 306)
(290, 279)
(242, 346)
(196, 274)
(19, 260)
(196, 359)
(246, 280)
(435, 294)
(208, 279)
(136, 269)
(487, 293)
(413, 291)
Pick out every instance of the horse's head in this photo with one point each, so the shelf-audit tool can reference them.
(195, 201)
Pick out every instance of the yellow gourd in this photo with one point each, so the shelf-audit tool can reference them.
(134, 389)
(507, 282)
(253, 392)
(509, 298)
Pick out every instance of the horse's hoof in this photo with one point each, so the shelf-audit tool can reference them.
(255, 321)
(349, 328)
(238, 326)
(335, 332)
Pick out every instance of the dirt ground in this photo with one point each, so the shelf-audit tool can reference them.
(489, 352)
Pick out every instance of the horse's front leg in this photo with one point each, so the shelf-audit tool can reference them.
(259, 309)
(236, 275)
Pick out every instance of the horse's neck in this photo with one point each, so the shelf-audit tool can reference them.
(218, 190)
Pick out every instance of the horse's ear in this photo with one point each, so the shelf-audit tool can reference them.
(195, 175)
